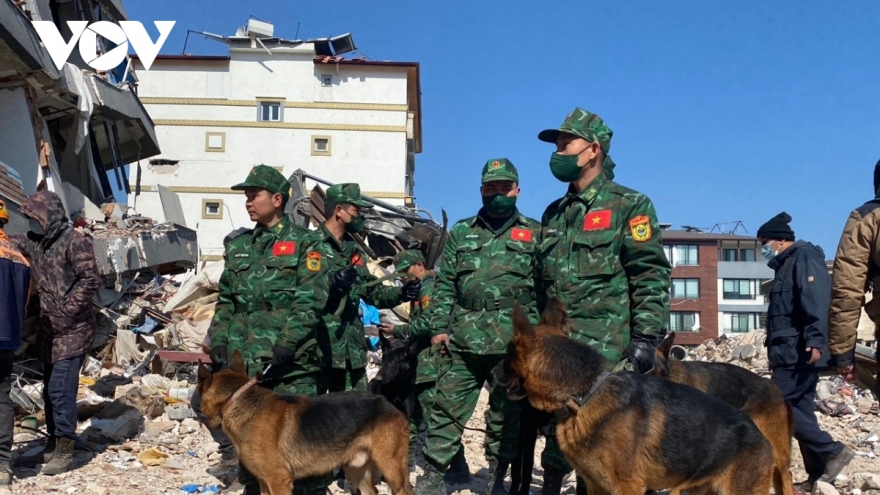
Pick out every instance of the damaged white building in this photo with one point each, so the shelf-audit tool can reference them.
(290, 104)
(74, 130)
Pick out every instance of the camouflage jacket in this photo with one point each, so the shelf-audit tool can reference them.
(271, 292)
(67, 278)
(344, 334)
(601, 253)
(419, 327)
(482, 270)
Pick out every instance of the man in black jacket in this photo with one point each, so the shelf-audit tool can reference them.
(797, 341)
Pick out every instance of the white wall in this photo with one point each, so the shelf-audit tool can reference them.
(374, 159)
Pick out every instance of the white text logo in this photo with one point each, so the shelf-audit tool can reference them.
(122, 34)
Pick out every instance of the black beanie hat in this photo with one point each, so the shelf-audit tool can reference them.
(777, 228)
(877, 176)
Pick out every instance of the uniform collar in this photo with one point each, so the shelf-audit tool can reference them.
(515, 218)
(332, 238)
(589, 193)
(277, 230)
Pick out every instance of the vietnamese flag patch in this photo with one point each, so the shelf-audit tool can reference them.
(597, 220)
(357, 259)
(524, 235)
(284, 248)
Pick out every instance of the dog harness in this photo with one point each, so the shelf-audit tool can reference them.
(576, 402)
(242, 389)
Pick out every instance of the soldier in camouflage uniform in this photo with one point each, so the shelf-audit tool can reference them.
(487, 267)
(412, 262)
(270, 301)
(601, 254)
(344, 344)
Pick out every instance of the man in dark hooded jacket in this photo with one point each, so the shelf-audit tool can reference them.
(797, 341)
(66, 274)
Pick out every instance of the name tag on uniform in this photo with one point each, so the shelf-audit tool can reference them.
(242, 255)
(472, 236)
(552, 233)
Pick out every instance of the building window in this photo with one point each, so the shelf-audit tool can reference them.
(212, 208)
(215, 142)
(728, 254)
(326, 80)
(321, 145)
(740, 289)
(685, 288)
(748, 255)
(684, 321)
(678, 255)
(741, 322)
(270, 111)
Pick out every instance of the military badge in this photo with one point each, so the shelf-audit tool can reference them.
(640, 227)
(313, 261)
(283, 248)
(496, 164)
(357, 259)
(425, 302)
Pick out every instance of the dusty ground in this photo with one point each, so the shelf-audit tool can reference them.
(188, 450)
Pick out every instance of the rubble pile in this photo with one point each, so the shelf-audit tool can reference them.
(849, 413)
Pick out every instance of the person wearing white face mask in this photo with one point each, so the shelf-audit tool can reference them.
(797, 341)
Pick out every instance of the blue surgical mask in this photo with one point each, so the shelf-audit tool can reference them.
(767, 252)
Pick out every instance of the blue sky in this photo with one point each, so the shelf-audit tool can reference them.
(722, 111)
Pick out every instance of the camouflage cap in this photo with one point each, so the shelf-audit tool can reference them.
(499, 169)
(268, 178)
(408, 258)
(347, 193)
(583, 124)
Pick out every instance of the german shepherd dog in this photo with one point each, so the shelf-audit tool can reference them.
(281, 439)
(396, 378)
(628, 432)
(758, 397)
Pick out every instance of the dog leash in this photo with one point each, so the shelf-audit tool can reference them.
(437, 362)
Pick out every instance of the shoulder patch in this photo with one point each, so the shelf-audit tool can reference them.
(524, 235)
(357, 259)
(597, 220)
(313, 261)
(425, 302)
(640, 227)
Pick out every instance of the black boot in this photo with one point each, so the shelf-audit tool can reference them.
(552, 481)
(40, 457)
(458, 471)
(497, 472)
(431, 481)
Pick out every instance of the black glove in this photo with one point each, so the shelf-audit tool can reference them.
(641, 353)
(219, 358)
(411, 290)
(342, 280)
(282, 356)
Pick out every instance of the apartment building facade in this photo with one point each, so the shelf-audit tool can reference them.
(283, 103)
(716, 284)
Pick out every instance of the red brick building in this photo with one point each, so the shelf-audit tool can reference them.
(716, 284)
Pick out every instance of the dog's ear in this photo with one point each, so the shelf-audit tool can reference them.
(204, 374)
(522, 327)
(236, 364)
(554, 315)
(666, 345)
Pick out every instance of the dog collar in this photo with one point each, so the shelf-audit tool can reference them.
(242, 389)
(576, 402)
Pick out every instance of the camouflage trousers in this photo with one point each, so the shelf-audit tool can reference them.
(343, 380)
(312, 384)
(552, 455)
(458, 390)
(421, 414)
